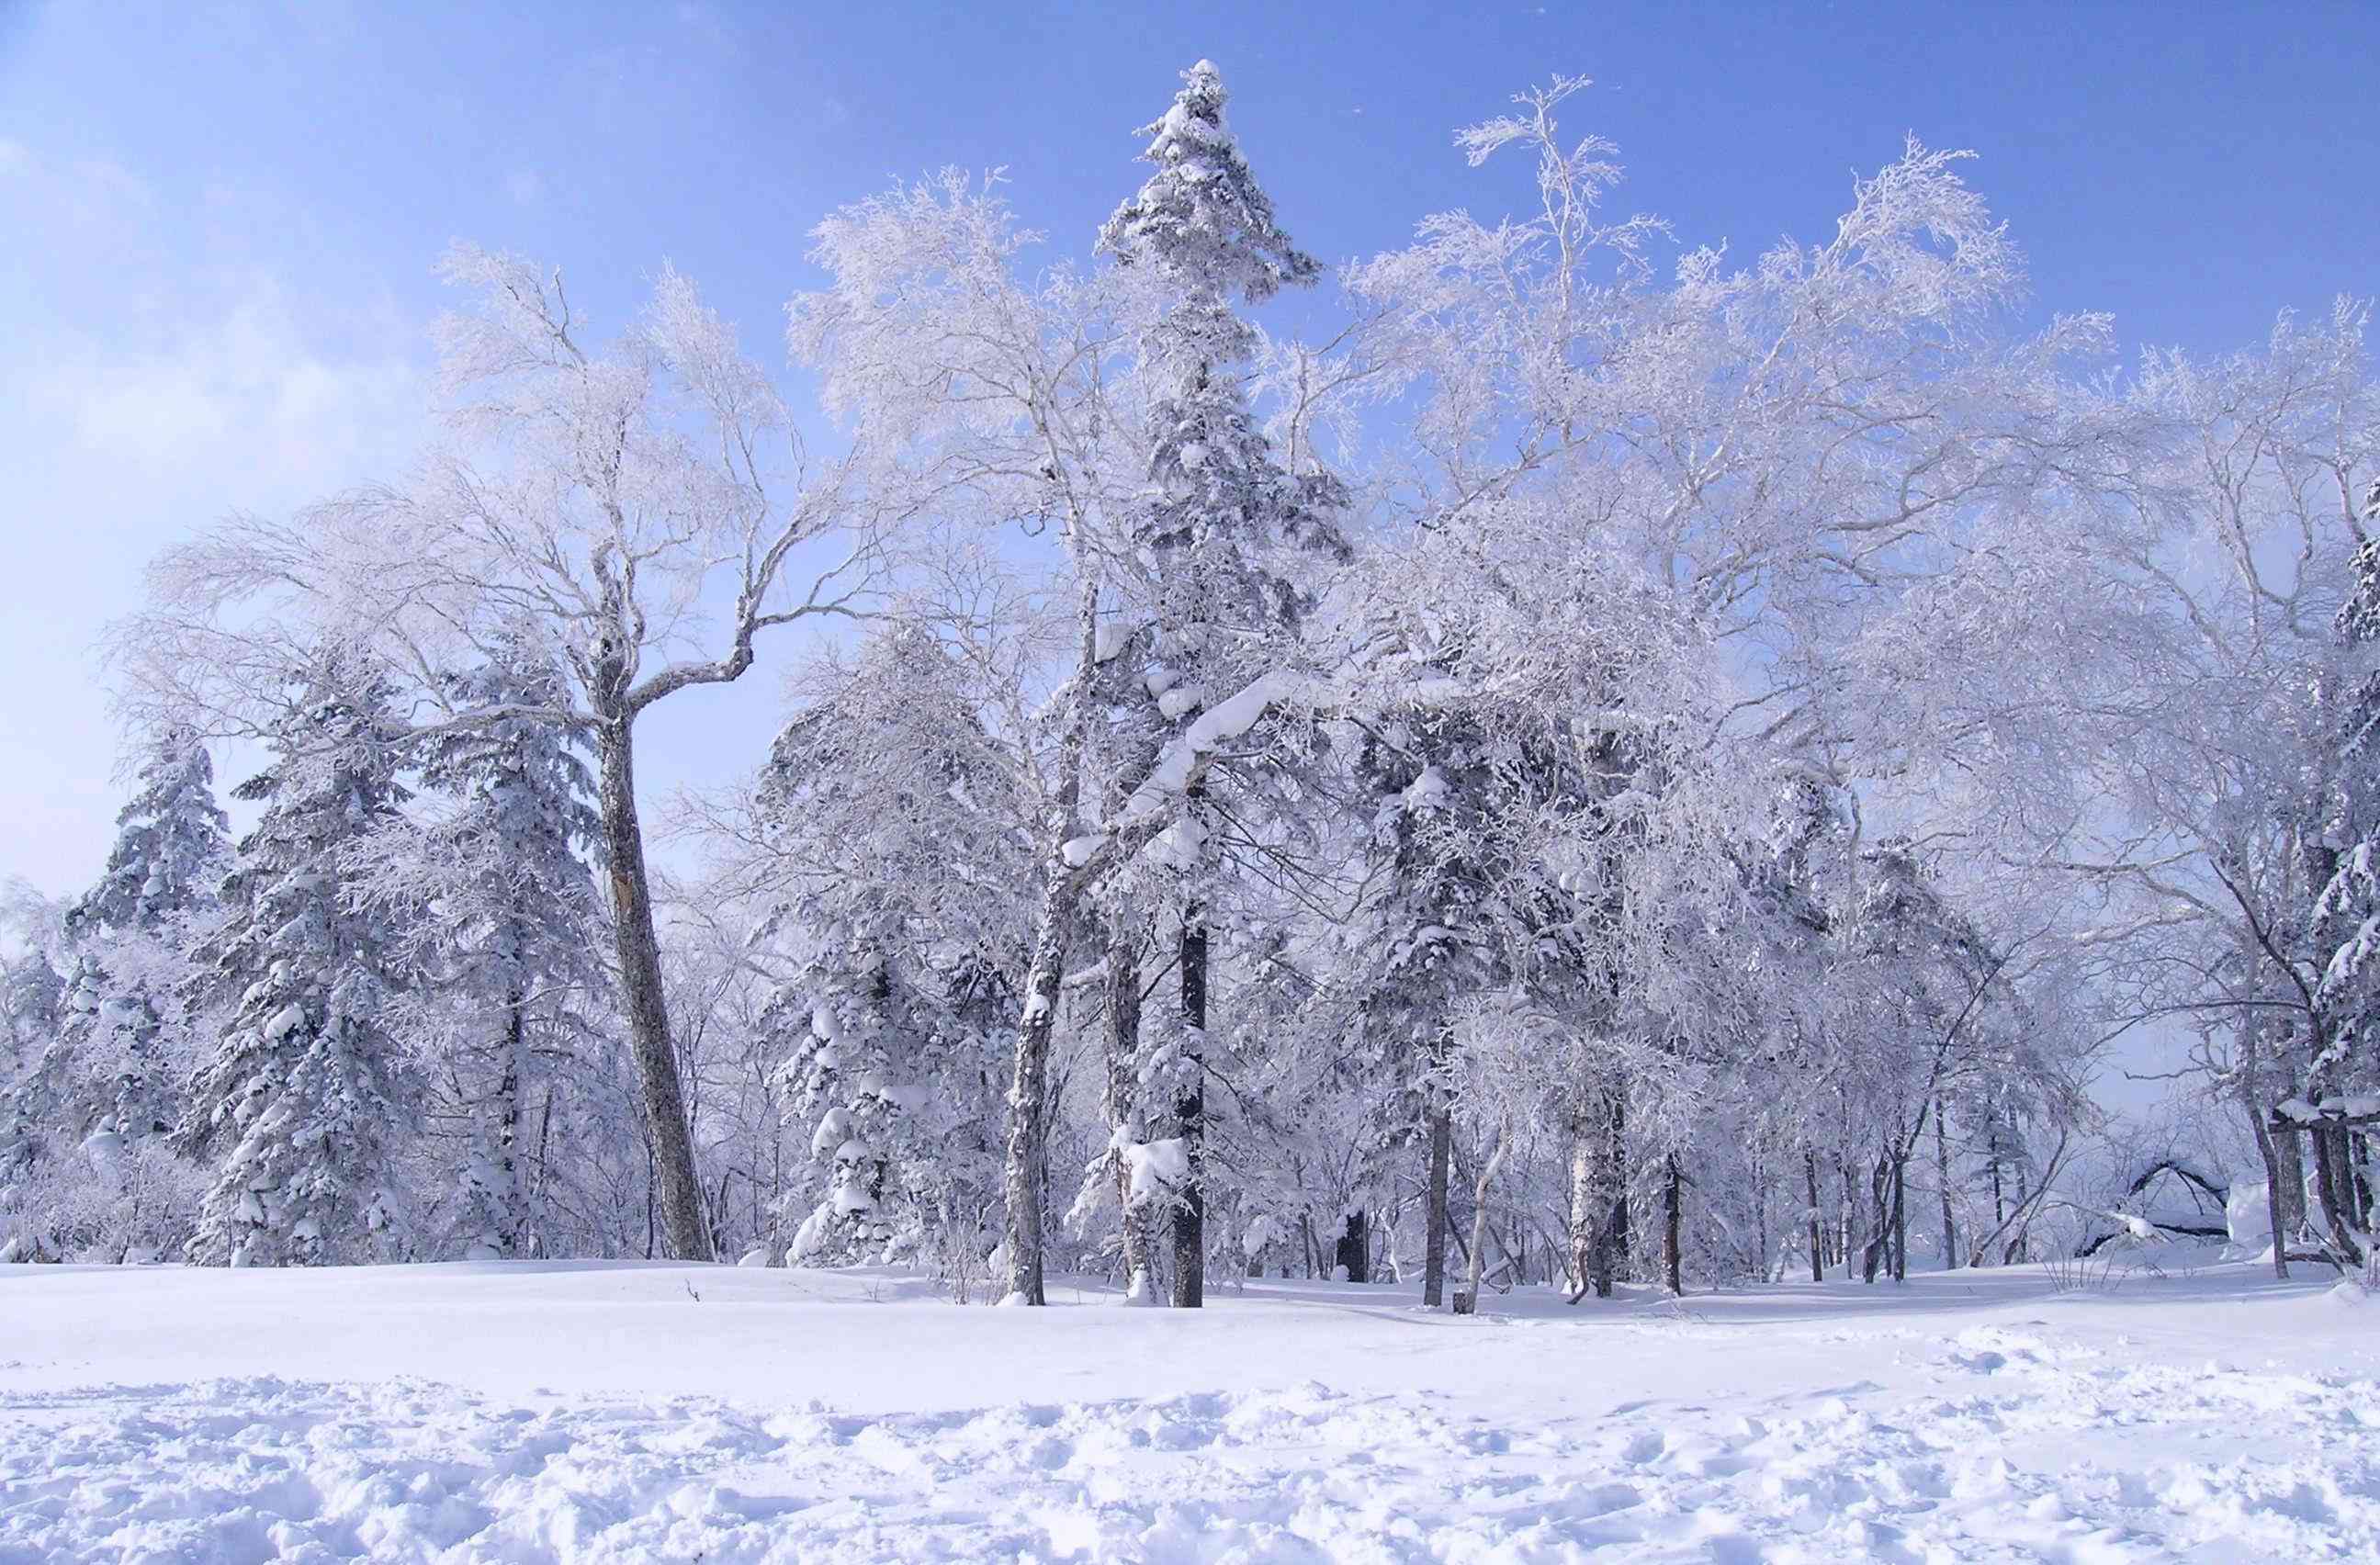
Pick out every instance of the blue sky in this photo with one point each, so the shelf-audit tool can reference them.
(222, 219)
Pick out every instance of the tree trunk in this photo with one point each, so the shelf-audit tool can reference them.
(2015, 1252)
(1190, 1119)
(1598, 1191)
(1942, 1174)
(510, 1236)
(1810, 1173)
(1029, 1087)
(1878, 1248)
(1353, 1251)
(1441, 1152)
(678, 1191)
(1488, 1171)
(1900, 1220)
(2274, 1211)
(1024, 1174)
(1672, 1250)
(1125, 1123)
(2335, 1177)
(2359, 1160)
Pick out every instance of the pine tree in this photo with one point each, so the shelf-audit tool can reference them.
(1213, 536)
(509, 957)
(300, 1112)
(32, 995)
(132, 933)
(893, 819)
(2345, 1066)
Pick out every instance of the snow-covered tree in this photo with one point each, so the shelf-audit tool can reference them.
(1214, 541)
(132, 933)
(304, 1111)
(504, 946)
(891, 836)
(600, 499)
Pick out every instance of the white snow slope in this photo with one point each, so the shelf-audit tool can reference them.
(587, 1412)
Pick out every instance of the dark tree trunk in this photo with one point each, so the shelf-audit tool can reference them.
(1672, 1250)
(2335, 1177)
(1621, 1248)
(1810, 1173)
(1441, 1151)
(2268, 1147)
(1874, 1255)
(1900, 1220)
(2359, 1159)
(678, 1191)
(1190, 1120)
(1942, 1174)
(2015, 1253)
(509, 1239)
(1355, 1246)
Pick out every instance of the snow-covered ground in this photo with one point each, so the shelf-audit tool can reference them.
(574, 1412)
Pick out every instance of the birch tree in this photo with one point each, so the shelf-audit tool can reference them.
(642, 512)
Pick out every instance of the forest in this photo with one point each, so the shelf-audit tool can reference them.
(1557, 754)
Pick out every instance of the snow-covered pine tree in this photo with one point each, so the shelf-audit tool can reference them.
(896, 844)
(1214, 540)
(170, 843)
(1418, 949)
(507, 954)
(300, 1114)
(132, 934)
(2344, 1073)
(32, 994)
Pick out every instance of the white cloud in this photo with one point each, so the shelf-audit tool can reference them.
(157, 381)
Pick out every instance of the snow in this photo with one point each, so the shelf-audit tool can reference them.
(1156, 1168)
(1077, 851)
(2248, 1214)
(1215, 727)
(1180, 699)
(284, 1021)
(581, 1411)
(1429, 790)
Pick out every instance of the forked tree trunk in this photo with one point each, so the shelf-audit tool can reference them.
(1190, 1120)
(678, 1191)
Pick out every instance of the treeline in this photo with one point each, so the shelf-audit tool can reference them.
(1612, 764)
